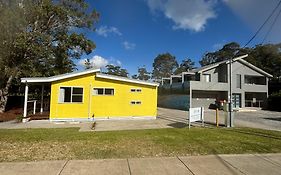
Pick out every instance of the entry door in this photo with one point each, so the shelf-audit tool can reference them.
(236, 99)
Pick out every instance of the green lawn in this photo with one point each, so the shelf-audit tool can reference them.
(53, 144)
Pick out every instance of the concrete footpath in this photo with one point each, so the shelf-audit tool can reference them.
(255, 164)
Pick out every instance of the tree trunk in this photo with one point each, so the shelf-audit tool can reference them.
(4, 94)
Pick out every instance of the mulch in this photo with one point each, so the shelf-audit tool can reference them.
(10, 114)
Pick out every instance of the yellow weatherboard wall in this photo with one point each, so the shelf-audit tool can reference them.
(103, 106)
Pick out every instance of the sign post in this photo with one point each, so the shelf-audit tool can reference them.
(196, 114)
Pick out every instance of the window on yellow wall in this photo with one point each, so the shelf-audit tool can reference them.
(135, 102)
(71, 95)
(135, 90)
(103, 91)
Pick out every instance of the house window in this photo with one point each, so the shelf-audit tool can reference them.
(238, 81)
(258, 80)
(103, 91)
(207, 77)
(71, 95)
(135, 102)
(136, 90)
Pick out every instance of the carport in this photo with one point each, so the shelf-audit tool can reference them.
(207, 99)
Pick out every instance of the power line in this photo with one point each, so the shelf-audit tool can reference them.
(257, 32)
(275, 20)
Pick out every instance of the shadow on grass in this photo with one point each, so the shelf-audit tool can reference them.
(255, 133)
(178, 125)
(274, 119)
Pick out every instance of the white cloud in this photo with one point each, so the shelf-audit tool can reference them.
(105, 31)
(129, 46)
(98, 62)
(186, 14)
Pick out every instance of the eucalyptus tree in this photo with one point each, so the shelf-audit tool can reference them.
(42, 38)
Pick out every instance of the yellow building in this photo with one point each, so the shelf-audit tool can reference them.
(91, 95)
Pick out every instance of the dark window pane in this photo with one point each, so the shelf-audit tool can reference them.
(77, 98)
(109, 91)
(67, 94)
(98, 91)
(77, 91)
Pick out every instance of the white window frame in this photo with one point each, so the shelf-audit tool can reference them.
(71, 94)
(135, 90)
(103, 94)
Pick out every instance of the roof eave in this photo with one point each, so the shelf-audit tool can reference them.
(99, 75)
(58, 77)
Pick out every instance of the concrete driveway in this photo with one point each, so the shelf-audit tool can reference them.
(253, 118)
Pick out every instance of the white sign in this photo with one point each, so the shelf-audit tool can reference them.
(196, 114)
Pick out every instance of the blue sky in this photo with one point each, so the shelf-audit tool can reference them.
(131, 33)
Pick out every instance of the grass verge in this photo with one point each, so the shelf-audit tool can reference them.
(55, 144)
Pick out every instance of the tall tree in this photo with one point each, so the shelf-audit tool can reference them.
(266, 57)
(40, 38)
(88, 64)
(116, 70)
(228, 51)
(186, 64)
(143, 74)
(164, 65)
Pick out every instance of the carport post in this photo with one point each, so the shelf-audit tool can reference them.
(25, 100)
(42, 99)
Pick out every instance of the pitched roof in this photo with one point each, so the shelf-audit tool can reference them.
(84, 72)
(58, 77)
(240, 59)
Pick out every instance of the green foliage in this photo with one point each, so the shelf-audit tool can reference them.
(186, 64)
(267, 57)
(88, 64)
(228, 51)
(42, 37)
(274, 101)
(143, 74)
(19, 118)
(47, 39)
(164, 65)
(116, 70)
(134, 76)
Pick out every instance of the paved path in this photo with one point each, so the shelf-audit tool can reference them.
(250, 164)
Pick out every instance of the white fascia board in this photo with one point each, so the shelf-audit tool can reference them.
(125, 79)
(57, 77)
(238, 58)
(188, 73)
(176, 76)
(208, 68)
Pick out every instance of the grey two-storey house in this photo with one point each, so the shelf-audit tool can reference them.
(209, 85)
